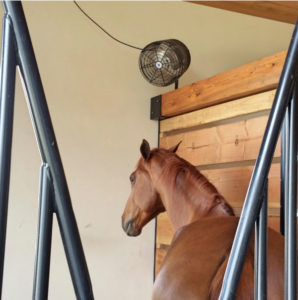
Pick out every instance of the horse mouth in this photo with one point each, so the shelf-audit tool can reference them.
(130, 229)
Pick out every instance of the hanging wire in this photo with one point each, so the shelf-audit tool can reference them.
(100, 27)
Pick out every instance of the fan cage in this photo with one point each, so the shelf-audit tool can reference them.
(163, 62)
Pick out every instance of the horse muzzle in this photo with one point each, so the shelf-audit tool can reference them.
(130, 228)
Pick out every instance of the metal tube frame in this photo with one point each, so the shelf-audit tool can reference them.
(253, 202)
(7, 85)
(17, 50)
(44, 240)
(284, 170)
(261, 249)
(291, 202)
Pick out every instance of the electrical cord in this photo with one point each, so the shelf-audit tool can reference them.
(100, 27)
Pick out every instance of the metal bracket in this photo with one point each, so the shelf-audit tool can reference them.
(155, 108)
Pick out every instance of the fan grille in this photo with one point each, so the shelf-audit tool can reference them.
(163, 62)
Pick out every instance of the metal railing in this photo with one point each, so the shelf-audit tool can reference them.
(17, 51)
(283, 115)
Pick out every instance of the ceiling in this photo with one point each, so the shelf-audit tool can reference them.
(283, 11)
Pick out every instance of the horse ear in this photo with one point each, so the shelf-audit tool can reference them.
(145, 149)
(175, 148)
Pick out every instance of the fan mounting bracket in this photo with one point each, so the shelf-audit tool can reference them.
(155, 108)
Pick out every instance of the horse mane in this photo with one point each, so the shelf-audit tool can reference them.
(177, 172)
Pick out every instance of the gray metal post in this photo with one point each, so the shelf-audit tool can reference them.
(284, 170)
(8, 71)
(43, 251)
(261, 249)
(291, 203)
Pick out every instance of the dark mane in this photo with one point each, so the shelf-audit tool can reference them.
(177, 172)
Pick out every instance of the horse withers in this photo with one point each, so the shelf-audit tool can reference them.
(204, 225)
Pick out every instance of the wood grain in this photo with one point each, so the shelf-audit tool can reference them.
(165, 231)
(233, 183)
(159, 257)
(283, 11)
(258, 76)
(226, 143)
(259, 103)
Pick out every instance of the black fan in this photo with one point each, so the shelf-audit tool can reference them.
(163, 62)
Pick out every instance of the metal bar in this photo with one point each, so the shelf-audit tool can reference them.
(155, 219)
(50, 153)
(284, 170)
(261, 249)
(7, 89)
(291, 204)
(260, 173)
(43, 251)
(176, 84)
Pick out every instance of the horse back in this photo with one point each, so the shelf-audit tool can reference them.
(195, 254)
(196, 261)
(275, 274)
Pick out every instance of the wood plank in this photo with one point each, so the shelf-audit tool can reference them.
(283, 11)
(274, 223)
(159, 257)
(226, 143)
(258, 76)
(259, 103)
(164, 230)
(233, 183)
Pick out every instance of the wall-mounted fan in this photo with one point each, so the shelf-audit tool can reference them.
(163, 62)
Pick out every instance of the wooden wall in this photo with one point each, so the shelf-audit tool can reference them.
(221, 134)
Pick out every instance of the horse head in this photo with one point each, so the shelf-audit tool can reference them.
(144, 202)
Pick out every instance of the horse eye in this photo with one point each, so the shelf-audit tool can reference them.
(132, 178)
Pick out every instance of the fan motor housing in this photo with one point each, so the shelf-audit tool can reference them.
(163, 62)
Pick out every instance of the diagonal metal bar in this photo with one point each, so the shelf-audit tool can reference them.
(261, 249)
(7, 88)
(253, 201)
(284, 170)
(43, 251)
(291, 203)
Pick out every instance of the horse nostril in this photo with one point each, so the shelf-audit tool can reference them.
(127, 226)
(131, 228)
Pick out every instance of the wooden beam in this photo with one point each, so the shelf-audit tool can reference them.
(255, 77)
(255, 104)
(283, 11)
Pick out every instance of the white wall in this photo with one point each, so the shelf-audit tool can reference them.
(99, 104)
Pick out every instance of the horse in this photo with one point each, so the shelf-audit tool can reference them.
(204, 225)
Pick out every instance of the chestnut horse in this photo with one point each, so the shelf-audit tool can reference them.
(204, 225)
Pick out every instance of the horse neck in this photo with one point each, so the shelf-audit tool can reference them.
(190, 198)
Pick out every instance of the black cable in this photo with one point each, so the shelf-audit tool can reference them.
(131, 46)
